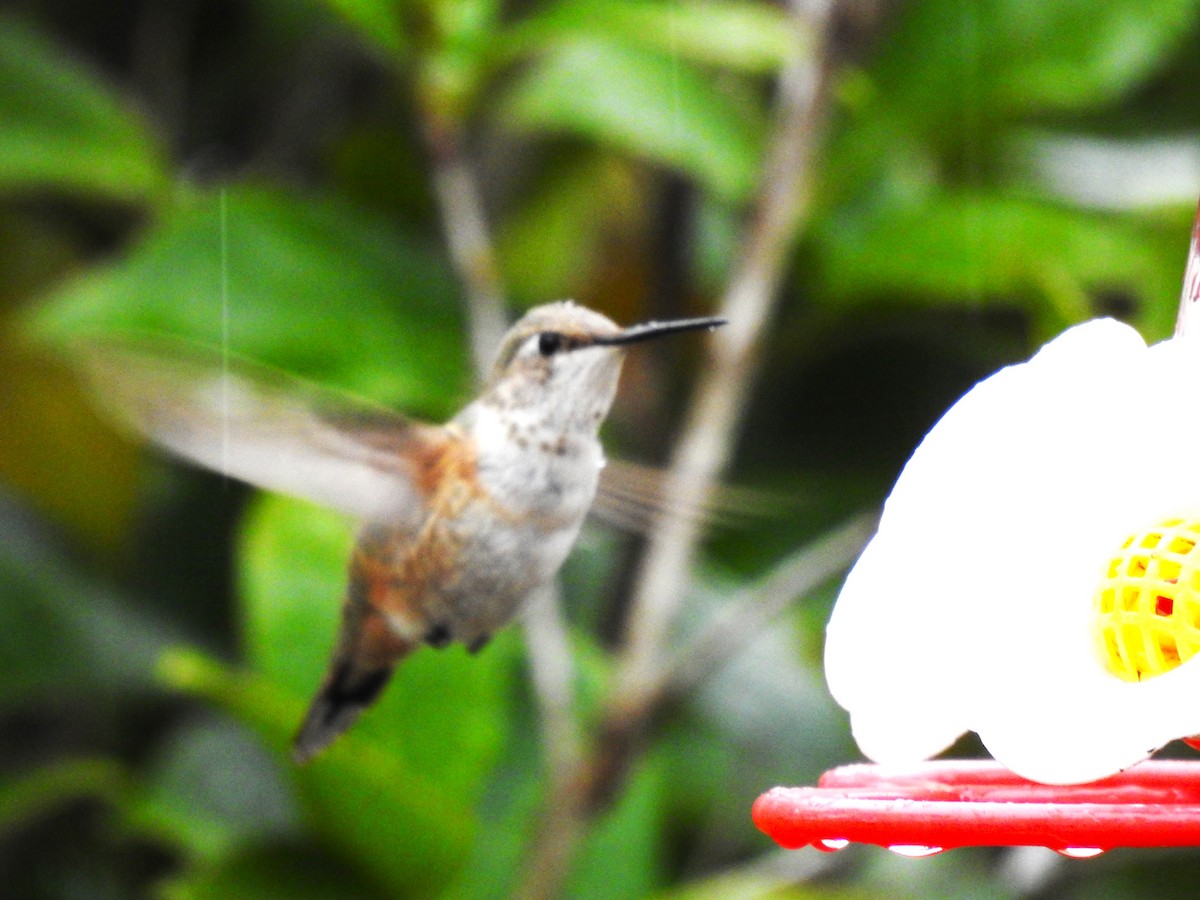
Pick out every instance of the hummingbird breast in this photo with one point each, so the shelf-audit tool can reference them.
(506, 499)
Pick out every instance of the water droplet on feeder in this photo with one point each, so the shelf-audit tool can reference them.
(914, 851)
(1080, 852)
(830, 845)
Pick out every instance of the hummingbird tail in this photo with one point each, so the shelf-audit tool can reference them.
(347, 691)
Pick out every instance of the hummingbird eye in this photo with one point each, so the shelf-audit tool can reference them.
(549, 343)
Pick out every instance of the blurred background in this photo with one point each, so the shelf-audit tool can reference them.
(917, 192)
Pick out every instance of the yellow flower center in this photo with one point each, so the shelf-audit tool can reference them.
(1148, 605)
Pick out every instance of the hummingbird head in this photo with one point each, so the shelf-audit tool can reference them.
(561, 362)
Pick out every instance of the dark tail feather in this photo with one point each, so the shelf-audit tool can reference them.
(346, 693)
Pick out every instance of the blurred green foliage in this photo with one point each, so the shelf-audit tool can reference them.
(255, 173)
(64, 128)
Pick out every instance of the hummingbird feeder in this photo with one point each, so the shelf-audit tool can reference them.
(1045, 549)
(930, 807)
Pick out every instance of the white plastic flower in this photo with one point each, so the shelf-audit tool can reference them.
(1033, 562)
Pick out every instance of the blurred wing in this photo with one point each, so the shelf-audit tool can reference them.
(632, 496)
(264, 427)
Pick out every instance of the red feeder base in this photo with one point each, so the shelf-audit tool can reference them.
(940, 805)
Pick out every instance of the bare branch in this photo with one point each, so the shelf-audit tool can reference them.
(713, 419)
(756, 606)
(465, 228)
(553, 676)
(703, 450)
(471, 252)
(769, 875)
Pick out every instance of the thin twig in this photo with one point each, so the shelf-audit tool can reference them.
(553, 676)
(702, 452)
(712, 421)
(754, 608)
(466, 232)
(473, 257)
(769, 875)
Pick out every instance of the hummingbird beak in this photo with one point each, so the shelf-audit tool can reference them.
(650, 330)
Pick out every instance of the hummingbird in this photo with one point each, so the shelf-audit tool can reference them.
(460, 523)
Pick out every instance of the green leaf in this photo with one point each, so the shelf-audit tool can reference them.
(1018, 57)
(508, 814)
(295, 559)
(555, 244)
(760, 882)
(621, 855)
(92, 485)
(361, 798)
(462, 24)
(379, 21)
(36, 793)
(311, 285)
(59, 633)
(210, 790)
(398, 792)
(293, 581)
(750, 37)
(60, 126)
(938, 103)
(643, 103)
(979, 247)
(273, 870)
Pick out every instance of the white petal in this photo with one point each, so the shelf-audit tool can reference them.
(1084, 723)
(971, 609)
